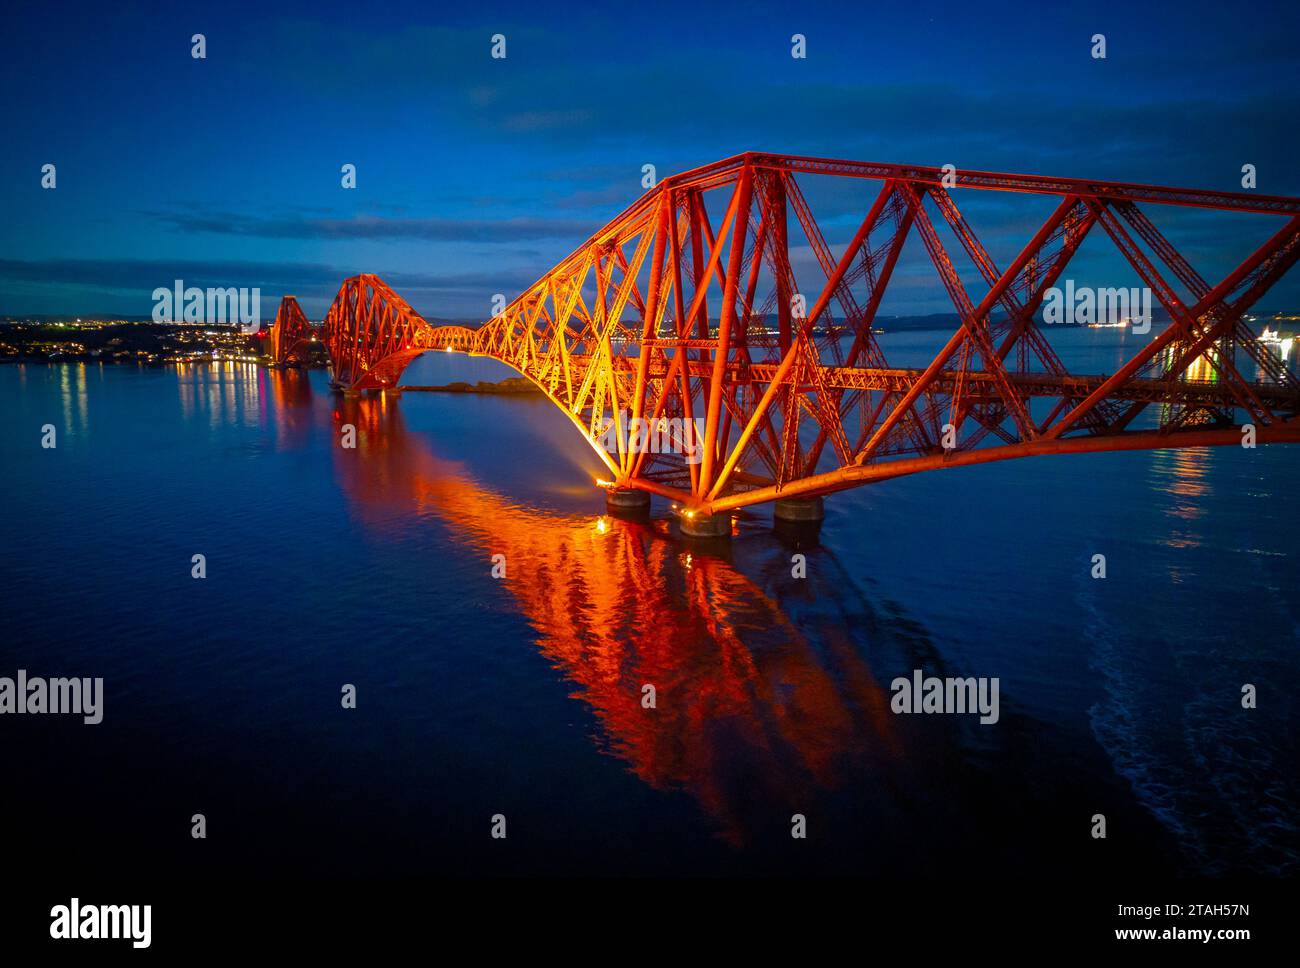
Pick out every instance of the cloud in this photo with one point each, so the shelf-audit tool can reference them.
(378, 227)
(133, 281)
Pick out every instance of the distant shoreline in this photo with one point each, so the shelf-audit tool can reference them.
(511, 386)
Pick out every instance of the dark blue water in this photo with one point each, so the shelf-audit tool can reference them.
(521, 696)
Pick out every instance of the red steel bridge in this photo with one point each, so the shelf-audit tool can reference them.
(666, 318)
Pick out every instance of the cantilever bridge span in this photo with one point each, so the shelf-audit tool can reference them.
(664, 317)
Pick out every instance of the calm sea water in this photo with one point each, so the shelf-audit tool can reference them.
(521, 696)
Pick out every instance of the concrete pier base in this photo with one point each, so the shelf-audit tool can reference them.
(798, 521)
(350, 394)
(627, 501)
(705, 525)
(799, 510)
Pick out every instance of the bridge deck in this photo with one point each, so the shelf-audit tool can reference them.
(979, 384)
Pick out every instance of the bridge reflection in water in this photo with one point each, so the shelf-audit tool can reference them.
(772, 692)
(753, 708)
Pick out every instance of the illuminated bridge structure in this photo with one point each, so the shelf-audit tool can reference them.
(666, 319)
(291, 334)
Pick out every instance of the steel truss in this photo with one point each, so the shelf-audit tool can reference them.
(662, 316)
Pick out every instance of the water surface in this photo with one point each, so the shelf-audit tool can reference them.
(522, 696)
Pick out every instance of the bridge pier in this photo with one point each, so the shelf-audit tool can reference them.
(627, 502)
(798, 521)
(799, 510)
(694, 525)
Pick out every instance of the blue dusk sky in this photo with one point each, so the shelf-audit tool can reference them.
(476, 175)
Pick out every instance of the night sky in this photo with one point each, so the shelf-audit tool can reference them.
(476, 175)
